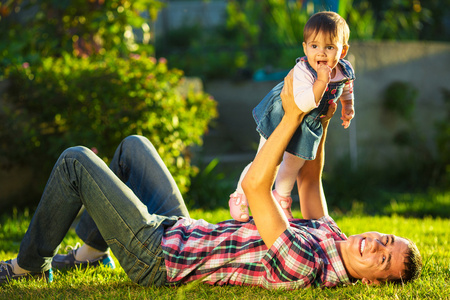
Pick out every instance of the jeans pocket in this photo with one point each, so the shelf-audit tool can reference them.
(134, 267)
(145, 266)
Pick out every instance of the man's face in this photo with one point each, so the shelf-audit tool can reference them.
(374, 257)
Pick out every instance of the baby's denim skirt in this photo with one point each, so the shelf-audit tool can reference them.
(305, 141)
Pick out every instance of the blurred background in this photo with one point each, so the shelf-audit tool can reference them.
(187, 75)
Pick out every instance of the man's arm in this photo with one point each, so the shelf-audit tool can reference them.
(313, 204)
(257, 184)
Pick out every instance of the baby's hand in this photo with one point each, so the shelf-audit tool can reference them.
(324, 72)
(348, 112)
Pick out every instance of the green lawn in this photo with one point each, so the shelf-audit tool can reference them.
(432, 236)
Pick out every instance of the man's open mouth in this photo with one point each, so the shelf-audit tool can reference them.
(362, 246)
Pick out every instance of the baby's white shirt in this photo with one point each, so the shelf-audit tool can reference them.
(303, 81)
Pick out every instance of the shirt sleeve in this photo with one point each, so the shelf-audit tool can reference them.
(347, 92)
(327, 223)
(291, 259)
(302, 84)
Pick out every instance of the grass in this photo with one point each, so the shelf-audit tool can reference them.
(432, 236)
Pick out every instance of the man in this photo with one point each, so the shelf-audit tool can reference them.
(136, 209)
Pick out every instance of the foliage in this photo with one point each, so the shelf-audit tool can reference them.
(413, 192)
(443, 142)
(205, 54)
(401, 21)
(361, 19)
(268, 34)
(437, 26)
(400, 98)
(82, 28)
(69, 101)
(256, 34)
(209, 188)
(416, 19)
(385, 20)
(432, 237)
(417, 179)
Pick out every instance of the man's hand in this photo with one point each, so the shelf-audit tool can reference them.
(327, 117)
(287, 96)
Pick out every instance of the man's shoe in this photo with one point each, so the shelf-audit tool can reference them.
(7, 274)
(68, 261)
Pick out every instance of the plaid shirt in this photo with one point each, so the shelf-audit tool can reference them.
(234, 253)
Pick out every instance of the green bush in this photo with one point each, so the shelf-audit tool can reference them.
(415, 183)
(400, 98)
(69, 101)
(443, 143)
(257, 34)
(210, 188)
(269, 34)
(42, 28)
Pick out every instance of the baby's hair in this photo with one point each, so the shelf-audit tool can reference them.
(327, 22)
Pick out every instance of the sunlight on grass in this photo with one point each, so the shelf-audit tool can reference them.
(419, 205)
(432, 236)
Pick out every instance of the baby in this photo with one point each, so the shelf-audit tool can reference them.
(320, 77)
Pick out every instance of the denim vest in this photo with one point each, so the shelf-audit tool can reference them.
(305, 141)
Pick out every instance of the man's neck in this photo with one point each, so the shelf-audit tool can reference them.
(340, 246)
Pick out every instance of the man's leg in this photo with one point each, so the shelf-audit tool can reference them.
(80, 177)
(137, 163)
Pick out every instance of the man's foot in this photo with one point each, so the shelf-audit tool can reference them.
(238, 207)
(68, 261)
(286, 203)
(7, 274)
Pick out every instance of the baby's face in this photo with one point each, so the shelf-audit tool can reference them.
(320, 49)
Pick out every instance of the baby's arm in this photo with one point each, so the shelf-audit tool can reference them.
(308, 91)
(348, 109)
(323, 78)
(348, 112)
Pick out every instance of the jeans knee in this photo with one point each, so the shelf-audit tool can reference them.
(134, 142)
(133, 139)
(76, 152)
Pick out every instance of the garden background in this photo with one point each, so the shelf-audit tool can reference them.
(186, 74)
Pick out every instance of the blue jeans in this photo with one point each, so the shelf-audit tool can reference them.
(128, 206)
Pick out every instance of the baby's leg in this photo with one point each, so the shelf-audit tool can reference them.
(238, 202)
(239, 187)
(284, 183)
(287, 174)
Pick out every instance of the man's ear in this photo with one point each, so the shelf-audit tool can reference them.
(304, 47)
(344, 51)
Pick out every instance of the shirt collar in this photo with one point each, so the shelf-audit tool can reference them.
(329, 246)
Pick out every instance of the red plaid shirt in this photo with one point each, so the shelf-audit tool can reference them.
(233, 253)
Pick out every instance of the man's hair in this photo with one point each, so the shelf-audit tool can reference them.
(413, 264)
(327, 22)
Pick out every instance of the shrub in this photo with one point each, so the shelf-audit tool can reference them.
(400, 98)
(68, 101)
(269, 34)
(210, 187)
(41, 28)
